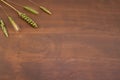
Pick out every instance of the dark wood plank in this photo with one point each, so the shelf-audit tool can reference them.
(80, 41)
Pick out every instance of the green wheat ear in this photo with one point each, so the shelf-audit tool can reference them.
(3, 27)
(28, 20)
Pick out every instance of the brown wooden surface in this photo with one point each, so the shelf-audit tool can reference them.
(80, 41)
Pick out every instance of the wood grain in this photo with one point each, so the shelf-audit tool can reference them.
(80, 41)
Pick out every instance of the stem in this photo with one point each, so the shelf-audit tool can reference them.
(11, 6)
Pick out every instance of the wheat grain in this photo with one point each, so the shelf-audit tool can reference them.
(45, 10)
(16, 27)
(30, 10)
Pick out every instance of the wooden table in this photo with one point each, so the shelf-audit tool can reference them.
(80, 41)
